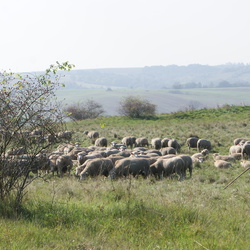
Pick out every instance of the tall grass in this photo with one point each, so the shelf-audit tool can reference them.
(198, 213)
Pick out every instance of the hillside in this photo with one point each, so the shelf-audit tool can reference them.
(191, 76)
(166, 100)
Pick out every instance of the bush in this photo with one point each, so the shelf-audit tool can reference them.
(27, 104)
(136, 107)
(84, 110)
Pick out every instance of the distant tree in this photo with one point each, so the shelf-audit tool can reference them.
(84, 110)
(224, 84)
(136, 107)
(177, 85)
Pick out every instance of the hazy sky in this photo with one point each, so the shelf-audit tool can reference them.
(123, 33)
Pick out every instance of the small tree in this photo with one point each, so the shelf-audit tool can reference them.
(136, 107)
(27, 103)
(84, 110)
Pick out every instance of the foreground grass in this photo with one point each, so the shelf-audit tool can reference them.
(198, 213)
(133, 214)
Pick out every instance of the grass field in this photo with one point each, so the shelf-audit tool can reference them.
(166, 100)
(197, 213)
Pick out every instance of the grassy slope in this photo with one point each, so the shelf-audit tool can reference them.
(142, 214)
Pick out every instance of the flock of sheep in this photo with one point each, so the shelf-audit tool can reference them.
(136, 156)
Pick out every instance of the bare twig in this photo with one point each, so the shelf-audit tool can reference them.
(231, 182)
(200, 244)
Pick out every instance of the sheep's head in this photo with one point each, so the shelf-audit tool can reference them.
(84, 176)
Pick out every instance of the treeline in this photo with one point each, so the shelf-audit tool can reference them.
(222, 84)
(152, 77)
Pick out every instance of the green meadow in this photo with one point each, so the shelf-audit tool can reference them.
(135, 213)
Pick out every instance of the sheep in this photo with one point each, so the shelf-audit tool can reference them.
(129, 141)
(237, 156)
(198, 158)
(188, 164)
(217, 156)
(203, 144)
(51, 138)
(167, 156)
(222, 164)
(81, 158)
(101, 142)
(197, 161)
(97, 167)
(80, 168)
(117, 145)
(168, 150)
(174, 144)
(75, 151)
(245, 164)
(65, 135)
(14, 152)
(152, 158)
(167, 167)
(133, 166)
(245, 152)
(152, 151)
(240, 141)
(192, 142)
(139, 149)
(234, 149)
(61, 164)
(156, 143)
(141, 142)
(115, 158)
(92, 135)
(42, 163)
(36, 132)
(203, 154)
(111, 152)
(164, 142)
(125, 153)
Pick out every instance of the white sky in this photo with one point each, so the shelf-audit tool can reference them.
(122, 33)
